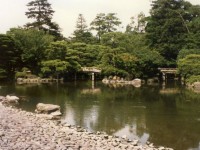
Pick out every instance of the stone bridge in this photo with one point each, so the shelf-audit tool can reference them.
(92, 70)
(166, 71)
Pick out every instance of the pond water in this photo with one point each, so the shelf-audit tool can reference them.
(164, 115)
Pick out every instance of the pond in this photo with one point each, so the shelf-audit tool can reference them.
(164, 115)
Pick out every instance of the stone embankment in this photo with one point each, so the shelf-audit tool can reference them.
(117, 80)
(21, 130)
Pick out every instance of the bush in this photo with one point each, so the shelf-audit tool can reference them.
(20, 75)
(193, 79)
(189, 66)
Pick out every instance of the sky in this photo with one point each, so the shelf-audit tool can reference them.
(12, 12)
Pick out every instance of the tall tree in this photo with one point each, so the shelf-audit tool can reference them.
(112, 22)
(41, 12)
(82, 34)
(9, 56)
(137, 24)
(193, 38)
(105, 23)
(167, 27)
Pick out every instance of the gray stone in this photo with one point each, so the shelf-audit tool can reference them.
(12, 98)
(135, 142)
(46, 108)
(124, 137)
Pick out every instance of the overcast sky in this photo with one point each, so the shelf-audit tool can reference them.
(12, 12)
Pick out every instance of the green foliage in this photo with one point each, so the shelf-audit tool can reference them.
(42, 13)
(2, 73)
(32, 44)
(82, 34)
(86, 53)
(116, 62)
(54, 67)
(9, 57)
(147, 44)
(105, 23)
(137, 24)
(167, 27)
(193, 79)
(133, 44)
(184, 52)
(115, 39)
(189, 65)
(20, 74)
(110, 70)
(56, 50)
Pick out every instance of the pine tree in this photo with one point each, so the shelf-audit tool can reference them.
(105, 23)
(82, 34)
(41, 12)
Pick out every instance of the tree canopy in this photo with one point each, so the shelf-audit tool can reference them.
(168, 27)
(9, 57)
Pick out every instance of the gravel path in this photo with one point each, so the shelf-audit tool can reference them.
(20, 130)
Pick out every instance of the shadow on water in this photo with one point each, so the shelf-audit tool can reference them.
(164, 115)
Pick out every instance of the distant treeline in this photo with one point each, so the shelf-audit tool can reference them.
(169, 37)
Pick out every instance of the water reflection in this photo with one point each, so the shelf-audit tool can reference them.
(165, 116)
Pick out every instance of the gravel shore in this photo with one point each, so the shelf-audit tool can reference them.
(21, 130)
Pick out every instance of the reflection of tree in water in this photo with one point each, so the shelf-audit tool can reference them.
(120, 107)
(173, 123)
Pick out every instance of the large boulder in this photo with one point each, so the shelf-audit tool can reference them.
(9, 100)
(12, 99)
(46, 108)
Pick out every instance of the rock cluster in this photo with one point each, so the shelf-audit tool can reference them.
(25, 130)
(9, 99)
(37, 80)
(194, 87)
(117, 80)
(51, 111)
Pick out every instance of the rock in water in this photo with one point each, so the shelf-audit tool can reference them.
(46, 108)
(8, 97)
(11, 99)
(137, 82)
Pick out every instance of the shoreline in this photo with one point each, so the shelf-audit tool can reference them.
(20, 129)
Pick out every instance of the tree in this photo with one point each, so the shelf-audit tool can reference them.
(115, 39)
(86, 53)
(32, 44)
(56, 50)
(42, 13)
(82, 34)
(105, 23)
(184, 52)
(193, 38)
(189, 66)
(167, 27)
(54, 67)
(133, 43)
(9, 57)
(137, 24)
(112, 22)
